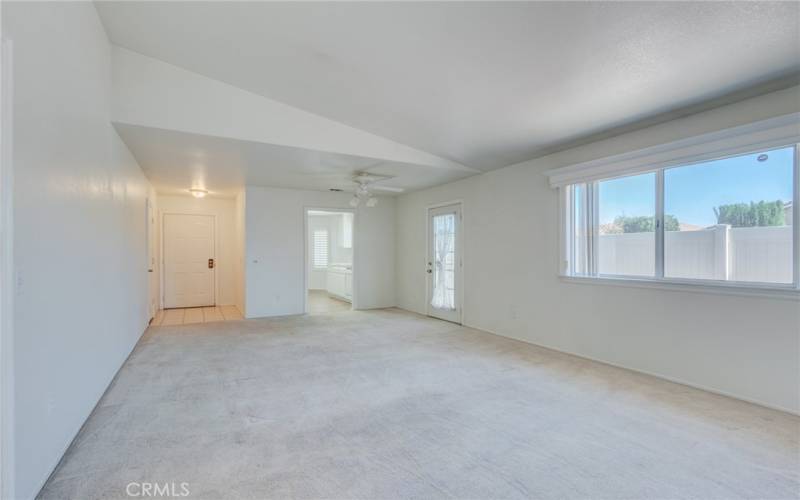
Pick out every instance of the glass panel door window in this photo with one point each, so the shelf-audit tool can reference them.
(730, 219)
(444, 233)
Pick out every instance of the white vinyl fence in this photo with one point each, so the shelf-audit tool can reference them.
(720, 253)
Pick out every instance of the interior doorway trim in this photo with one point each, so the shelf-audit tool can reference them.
(462, 256)
(153, 274)
(162, 266)
(306, 256)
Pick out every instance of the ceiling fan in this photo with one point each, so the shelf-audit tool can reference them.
(365, 185)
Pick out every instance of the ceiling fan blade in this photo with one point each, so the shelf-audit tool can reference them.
(386, 188)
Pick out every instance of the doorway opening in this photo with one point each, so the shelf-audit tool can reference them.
(329, 260)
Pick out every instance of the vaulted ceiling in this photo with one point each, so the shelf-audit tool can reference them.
(175, 161)
(480, 84)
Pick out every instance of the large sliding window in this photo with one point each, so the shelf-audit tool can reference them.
(728, 221)
(626, 215)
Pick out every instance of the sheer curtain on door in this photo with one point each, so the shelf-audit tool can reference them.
(443, 296)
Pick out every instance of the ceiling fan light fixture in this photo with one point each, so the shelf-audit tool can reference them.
(363, 189)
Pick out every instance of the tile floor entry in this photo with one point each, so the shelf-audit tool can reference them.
(189, 315)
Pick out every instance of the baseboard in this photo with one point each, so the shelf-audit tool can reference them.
(674, 380)
(668, 378)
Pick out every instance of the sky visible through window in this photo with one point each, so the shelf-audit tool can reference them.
(692, 192)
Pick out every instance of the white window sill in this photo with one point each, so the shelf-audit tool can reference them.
(751, 290)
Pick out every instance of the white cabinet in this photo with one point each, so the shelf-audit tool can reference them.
(340, 282)
(335, 283)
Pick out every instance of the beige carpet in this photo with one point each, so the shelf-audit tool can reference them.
(386, 404)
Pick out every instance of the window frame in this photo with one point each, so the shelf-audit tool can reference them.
(567, 225)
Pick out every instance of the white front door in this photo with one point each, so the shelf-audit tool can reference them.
(444, 265)
(188, 260)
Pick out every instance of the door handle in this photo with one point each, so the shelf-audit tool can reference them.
(149, 270)
(211, 263)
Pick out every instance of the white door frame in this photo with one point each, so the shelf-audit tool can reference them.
(7, 288)
(162, 266)
(151, 229)
(462, 259)
(306, 256)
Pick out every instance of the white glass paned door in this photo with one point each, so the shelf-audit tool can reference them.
(444, 263)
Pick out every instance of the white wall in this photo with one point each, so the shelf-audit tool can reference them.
(747, 347)
(374, 255)
(79, 221)
(225, 211)
(340, 254)
(274, 222)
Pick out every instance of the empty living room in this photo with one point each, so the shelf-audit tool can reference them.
(399, 250)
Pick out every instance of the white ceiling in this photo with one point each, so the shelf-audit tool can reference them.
(176, 161)
(484, 84)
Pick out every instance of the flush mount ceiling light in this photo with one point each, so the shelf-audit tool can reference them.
(198, 193)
